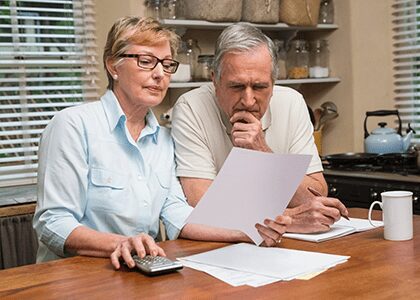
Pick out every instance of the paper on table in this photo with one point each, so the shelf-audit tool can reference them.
(250, 187)
(238, 278)
(232, 277)
(341, 228)
(285, 264)
(359, 224)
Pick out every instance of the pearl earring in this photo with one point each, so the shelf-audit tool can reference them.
(115, 76)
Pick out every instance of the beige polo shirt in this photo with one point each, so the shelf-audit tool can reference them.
(201, 131)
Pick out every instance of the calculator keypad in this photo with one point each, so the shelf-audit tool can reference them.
(156, 265)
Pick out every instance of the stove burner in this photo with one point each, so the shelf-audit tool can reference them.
(397, 163)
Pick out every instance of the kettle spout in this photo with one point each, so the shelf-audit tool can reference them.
(407, 138)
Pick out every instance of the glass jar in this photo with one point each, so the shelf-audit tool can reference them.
(319, 59)
(183, 73)
(193, 51)
(148, 13)
(297, 60)
(155, 9)
(326, 12)
(164, 9)
(281, 59)
(168, 9)
(204, 67)
(172, 10)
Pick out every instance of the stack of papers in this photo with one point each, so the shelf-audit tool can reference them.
(255, 266)
(341, 228)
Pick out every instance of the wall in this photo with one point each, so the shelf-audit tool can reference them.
(371, 37)
(361, 55)
(107, 11)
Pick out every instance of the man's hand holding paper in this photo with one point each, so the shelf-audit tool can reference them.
(273, 230)
(251, 192)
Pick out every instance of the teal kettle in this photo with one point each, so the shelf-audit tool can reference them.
(384, 139)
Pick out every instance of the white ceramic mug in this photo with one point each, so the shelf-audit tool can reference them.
(397, 215)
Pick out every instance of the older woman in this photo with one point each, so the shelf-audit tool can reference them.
(106, 169)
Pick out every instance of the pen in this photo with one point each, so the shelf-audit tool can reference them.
(316, 193)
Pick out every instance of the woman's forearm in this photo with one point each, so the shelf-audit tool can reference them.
(208, 233)
(89, 242)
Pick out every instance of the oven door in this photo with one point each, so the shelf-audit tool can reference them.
(361, 192)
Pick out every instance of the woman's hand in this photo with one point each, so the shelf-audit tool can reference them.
(141, 244)
(273, 230)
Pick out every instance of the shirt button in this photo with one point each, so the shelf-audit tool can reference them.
(139, 177)
(145, 204)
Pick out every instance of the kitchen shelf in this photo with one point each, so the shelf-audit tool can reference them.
(195, 84)
(199, 24)
(309, 80)
(192, 84)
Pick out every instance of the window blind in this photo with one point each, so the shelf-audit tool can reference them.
(47, 63)
(406, 52)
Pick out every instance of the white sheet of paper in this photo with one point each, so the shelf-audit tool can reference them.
(232, 277)
(250, 187)
(238, 278)
(359, 224)
(285, 264)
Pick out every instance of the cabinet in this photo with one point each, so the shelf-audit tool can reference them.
(281, 29)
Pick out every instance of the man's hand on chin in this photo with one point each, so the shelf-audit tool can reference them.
(247, 132)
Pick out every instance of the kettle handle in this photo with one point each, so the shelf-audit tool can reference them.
(381, 113)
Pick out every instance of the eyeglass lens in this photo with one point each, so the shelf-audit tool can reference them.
(149, 62)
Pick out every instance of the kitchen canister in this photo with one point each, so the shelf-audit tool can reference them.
(260, 11)
(319, 59)
(299, 12)
(213, 10)
(204, 67)
(297, 60)
(184, 72)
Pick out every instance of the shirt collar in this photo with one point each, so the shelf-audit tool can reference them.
(115, 115)
(112, 108)
(152, 126)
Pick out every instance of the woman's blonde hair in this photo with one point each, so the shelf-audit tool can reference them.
(128, 31)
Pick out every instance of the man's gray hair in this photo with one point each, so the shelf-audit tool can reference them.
(239, 38)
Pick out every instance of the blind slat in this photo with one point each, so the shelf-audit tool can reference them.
(50, 96)
(47, 63)
(406, 58)
(15, 159)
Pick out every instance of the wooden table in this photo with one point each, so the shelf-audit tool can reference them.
(377, 269)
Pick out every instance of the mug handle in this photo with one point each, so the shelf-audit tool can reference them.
(370, 211)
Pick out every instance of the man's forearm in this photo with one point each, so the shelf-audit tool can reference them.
(302, 195)
(86, 241)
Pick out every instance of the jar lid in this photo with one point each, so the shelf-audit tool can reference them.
(319, 43)
(299, 44)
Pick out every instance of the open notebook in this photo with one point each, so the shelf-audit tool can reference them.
(341, 228)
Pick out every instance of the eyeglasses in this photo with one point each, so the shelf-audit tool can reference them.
(149, 62)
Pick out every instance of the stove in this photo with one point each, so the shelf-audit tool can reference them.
(359, 185)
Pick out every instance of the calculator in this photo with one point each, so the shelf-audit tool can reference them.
(156, 265)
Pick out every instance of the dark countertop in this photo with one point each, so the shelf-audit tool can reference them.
(374, 175)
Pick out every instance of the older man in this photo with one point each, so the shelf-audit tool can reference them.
(243, 108)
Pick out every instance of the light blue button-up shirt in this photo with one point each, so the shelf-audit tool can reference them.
(92, 173)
